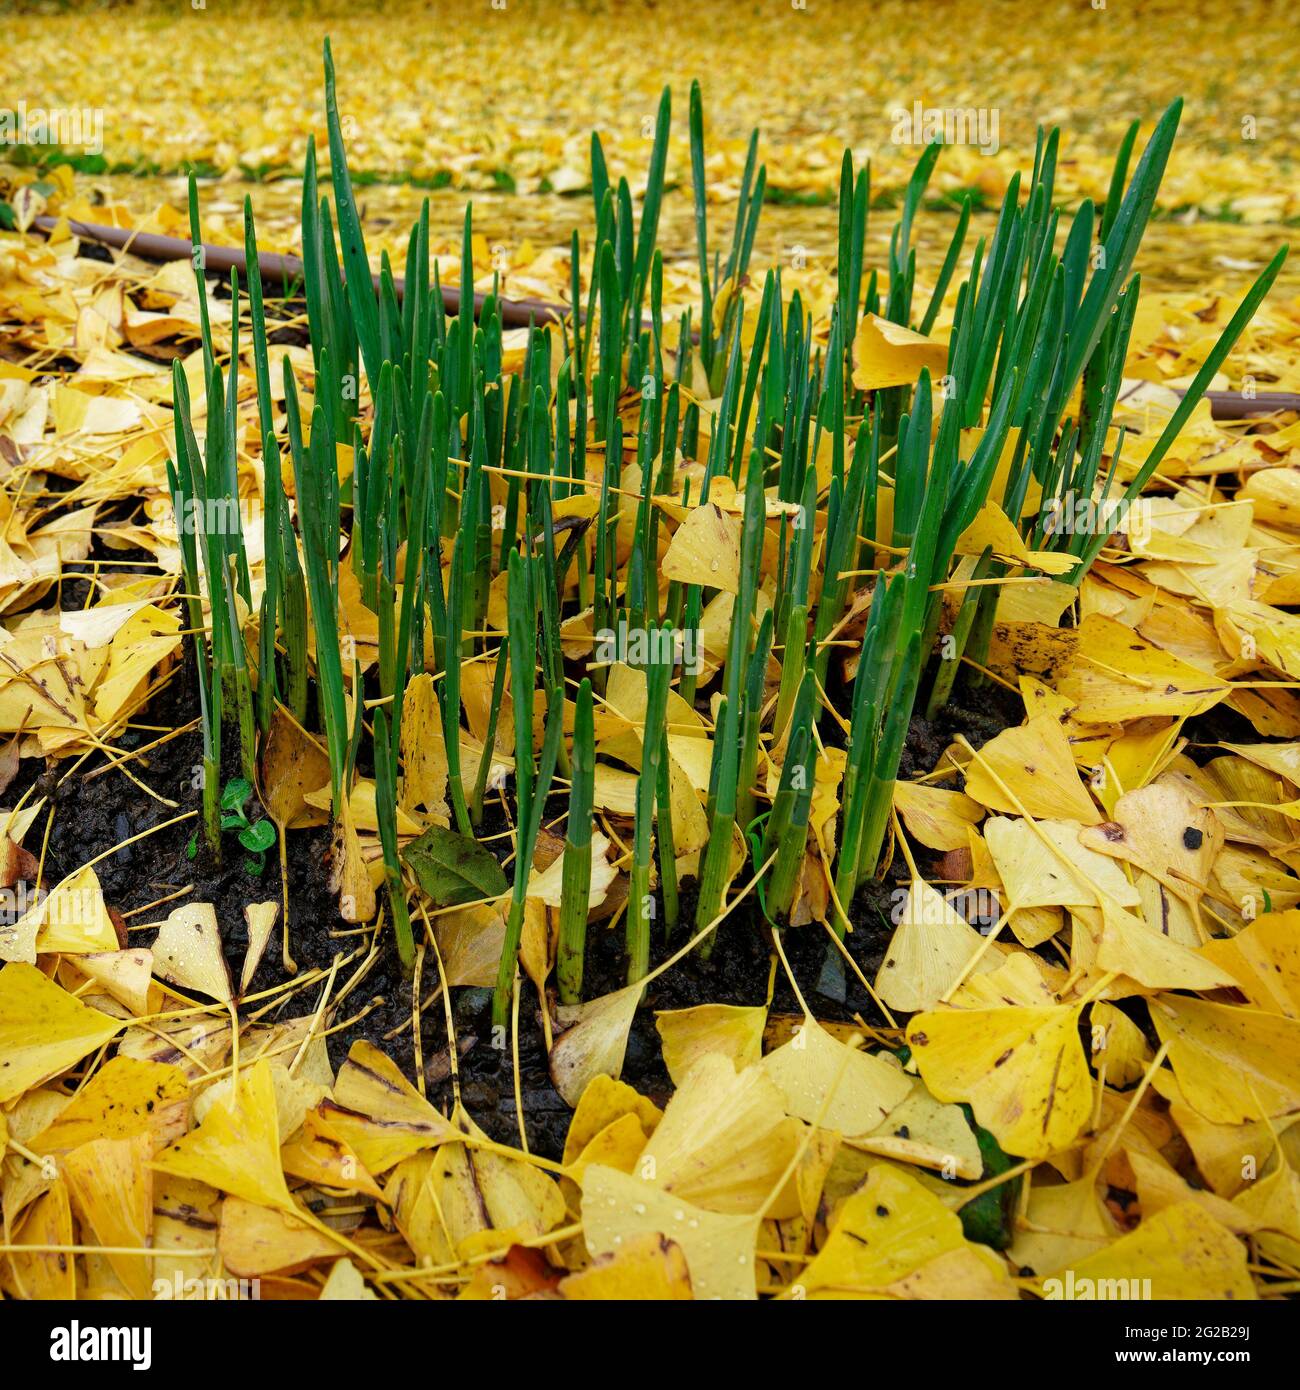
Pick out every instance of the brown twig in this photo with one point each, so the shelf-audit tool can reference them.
(275, 268)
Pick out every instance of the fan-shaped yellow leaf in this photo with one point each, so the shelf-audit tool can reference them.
(1021, 1070)
(1232, 1064)
(1179, 1253)
(888, 354)
(813, 1066)
(939, 819)
(111, 1186)
(647, 1268)
(43, 1029)
(724, 1140)
(719, 1249)
(892, 1231)
(1031, 765)
(187, 951)
(930, 948)
(237, 1147)
(734, 1030)
(594, 1041)
(379, 1114)
(705, 550)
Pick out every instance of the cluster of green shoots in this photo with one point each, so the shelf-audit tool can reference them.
(454, 470)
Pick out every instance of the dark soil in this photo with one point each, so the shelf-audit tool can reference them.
(978, 712)
(97, 812)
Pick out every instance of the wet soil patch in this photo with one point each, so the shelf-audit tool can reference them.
(978, 712)
(99, 807)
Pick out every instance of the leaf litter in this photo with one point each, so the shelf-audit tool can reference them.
(1080, 1048)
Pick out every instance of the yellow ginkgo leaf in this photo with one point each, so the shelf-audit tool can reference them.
(123, 975)
(295, 1095)
(471, 940)
(724, 1141)
(363, 812)
(1273, 1205)
(424, 750)
(1159, 1185)
(349, 876)
(647, 1268)
(613, 789)
(198, 1046)
(833, 1085)
(1021, 978)
(488, 1201)
(1040, 601)
(413, 1202)
(1280, 758)
(705, 550)
(734, 1030)
(1031, 770)
(97, 626)
(1063, 1222)
(379, 1114)
(603, 1103)
(45, 1273)
(256, 1240)
(1232, 1064)
(346, 1283)
(1179, 1253)
(144, 640)
(317, 1155)
(298, 1045)
(623, 712)
(888, 354)
(1022, 1071)
(1113, 940)
(187, 951)
(125, 1097)
(547, 885)
(892, 1231)
(1116, 674)
(1264, 961)
(993, 530)
(74, 918)
(1228, 1156)
(826, 798)
(18, 938)
(720, 1249)
(1117, 1042)
(43, 1029)
(619, 1144)
(237, 1147)
(1241, 794)
(922, 1131)
(292, 765)
(594, 1041)
(45, 699)
(261, 919)
(111, 1186)
(969, 1273)
(1044, 865)
(1163, 831)
(930, 949)
(1139, 756)
(939, 819)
